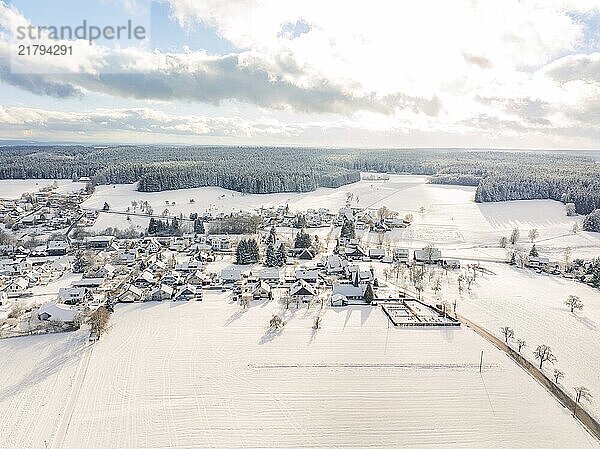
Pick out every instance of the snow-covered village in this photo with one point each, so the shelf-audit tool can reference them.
(311, 315)
(285, 224)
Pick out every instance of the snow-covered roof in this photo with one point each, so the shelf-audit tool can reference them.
(349, 290)
(301, 288)
(58, 312)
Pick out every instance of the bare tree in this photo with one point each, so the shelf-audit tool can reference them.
(419, 288)
(520, 344)
(575, 228)
(317, 323)
(508, 333)
(521, 258)
(543, 353)
(276, 322)
(469, 280)
(437, 286)
(573, 302)
(98, 321)
(581, 392)
(245, 299)
(557, 375)
(567, 255)
(533, 234)
(503, 242)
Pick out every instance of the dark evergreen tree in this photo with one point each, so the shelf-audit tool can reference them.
(253, 250)
(199, 226)
(271, 259)
(272, 238)
(302, 240)
(369, 294)
(348, 230)
(591, 222)
(533, 252)
(79, 263)
(281, 255)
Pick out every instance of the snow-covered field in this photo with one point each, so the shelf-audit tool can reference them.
(207, 374)
(451, 219)
(533, 305)
(14, 188)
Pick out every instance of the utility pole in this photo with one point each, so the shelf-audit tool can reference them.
(481, 361)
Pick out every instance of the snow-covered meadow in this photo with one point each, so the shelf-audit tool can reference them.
(13, 188)
(207, 374)
(451, 219)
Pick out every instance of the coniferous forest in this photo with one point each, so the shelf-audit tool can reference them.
(498, 175)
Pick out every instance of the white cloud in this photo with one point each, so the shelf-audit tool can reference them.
(381, 68)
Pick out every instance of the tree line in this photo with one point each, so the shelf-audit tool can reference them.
(498, 175)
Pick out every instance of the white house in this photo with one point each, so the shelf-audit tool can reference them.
(71, 295)
(17, 287)
(376, 253)
(131, 294)
(428, 255)
(52, 311)
(230, 275)
(310, 276)
(302, 291)
(187, 293)
(57, 248)
(349, 290)
(161, 293)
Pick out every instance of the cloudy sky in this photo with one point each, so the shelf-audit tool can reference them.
(465, 73)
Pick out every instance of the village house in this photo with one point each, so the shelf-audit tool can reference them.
(16, 287)
(71, 295)
(355, 252)
(145, 279)
(261, 290)
(131, 294)
(338, 300)
(127, 256)
(52, 311)
(349, 291)
(376, 253)
(99, 241)
(152, 246)
(401, 255)
(428, 255)
(310, 276)
(163, 292)
(188, 292)
(452, 264)
(231, 275)
(57, 248)
(302, 291)
(198, 277)
(219, 242)
(537, 262)
(333, 264)
(270, 275)
(171, 278)
(106, 271)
